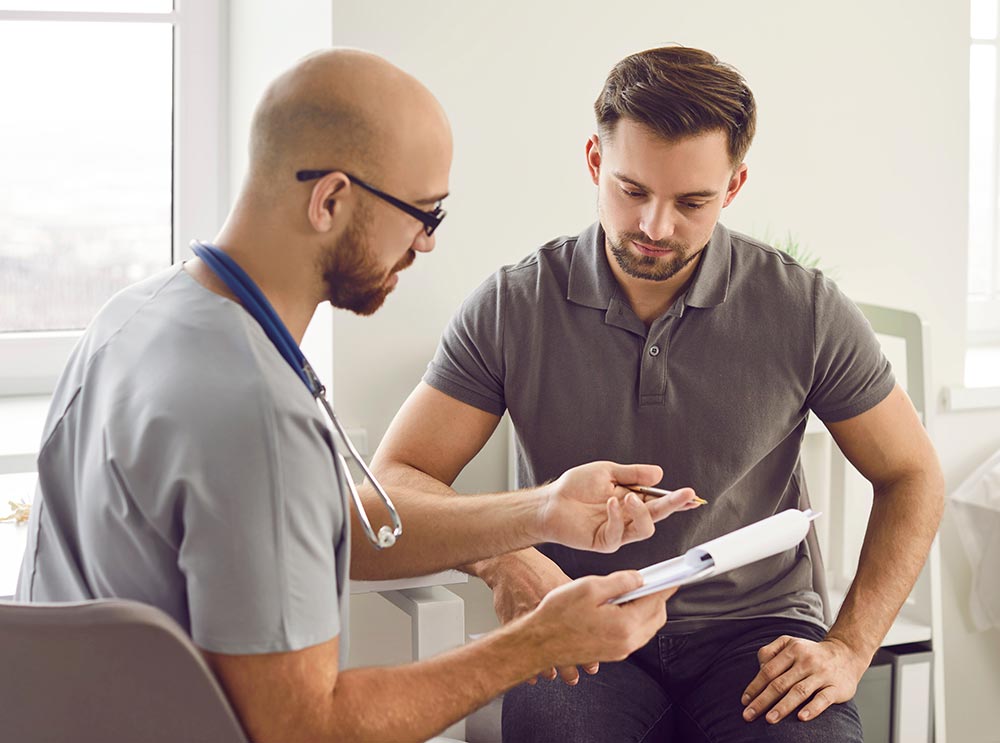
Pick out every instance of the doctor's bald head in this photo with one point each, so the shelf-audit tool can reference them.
(349, 161)
(342, 109)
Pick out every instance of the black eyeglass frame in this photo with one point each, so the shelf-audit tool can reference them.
(429, 219)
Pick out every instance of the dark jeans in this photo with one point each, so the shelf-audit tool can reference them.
(677, 689)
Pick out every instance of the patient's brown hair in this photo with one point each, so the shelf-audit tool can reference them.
(679, 92)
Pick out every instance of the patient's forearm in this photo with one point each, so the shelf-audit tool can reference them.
(516, 566)
(903, 521)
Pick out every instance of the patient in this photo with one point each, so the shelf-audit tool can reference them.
(184, 463)
(658, 334)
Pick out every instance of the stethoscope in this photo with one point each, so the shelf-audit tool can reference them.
(254, 302)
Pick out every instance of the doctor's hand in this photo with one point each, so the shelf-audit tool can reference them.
(577, 625)
(589, 507)
(795, 672)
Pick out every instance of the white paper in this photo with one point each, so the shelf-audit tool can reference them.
(733, 550)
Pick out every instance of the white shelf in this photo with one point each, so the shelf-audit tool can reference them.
(444, 578)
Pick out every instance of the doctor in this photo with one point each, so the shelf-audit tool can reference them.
(185, 464)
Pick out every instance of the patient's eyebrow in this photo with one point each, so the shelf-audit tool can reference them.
(698, 195)
(703, 194)
(622, 177)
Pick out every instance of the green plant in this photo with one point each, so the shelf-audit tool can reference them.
(790, 244)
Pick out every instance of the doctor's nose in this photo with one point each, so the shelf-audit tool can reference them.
(658, 224)
(423, 243)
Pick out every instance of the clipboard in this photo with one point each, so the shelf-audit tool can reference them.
(749, 544)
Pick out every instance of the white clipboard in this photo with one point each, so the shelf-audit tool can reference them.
(733, 550)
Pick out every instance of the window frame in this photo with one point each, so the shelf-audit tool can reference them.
(30, 362)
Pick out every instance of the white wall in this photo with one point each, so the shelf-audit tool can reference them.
(861, 153)
(266, 38)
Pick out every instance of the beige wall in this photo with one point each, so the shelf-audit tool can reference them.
(861, 153)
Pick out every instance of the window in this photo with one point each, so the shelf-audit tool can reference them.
(984, 177)
(111, 143)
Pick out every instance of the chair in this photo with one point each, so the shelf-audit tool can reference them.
(107, 670)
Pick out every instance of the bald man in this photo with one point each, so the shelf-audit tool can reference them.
(185, 465)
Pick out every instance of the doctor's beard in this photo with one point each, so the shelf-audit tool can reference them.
(354, 281)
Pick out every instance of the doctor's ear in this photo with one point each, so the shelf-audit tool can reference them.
(329, 202)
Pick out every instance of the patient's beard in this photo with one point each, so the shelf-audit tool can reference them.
(647, 267)
(354, 280)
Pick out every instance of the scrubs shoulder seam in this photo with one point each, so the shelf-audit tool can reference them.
(92, 358)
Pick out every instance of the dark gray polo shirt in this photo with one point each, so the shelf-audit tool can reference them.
(716, 392)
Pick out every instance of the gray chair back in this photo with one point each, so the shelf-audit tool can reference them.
(106, 671)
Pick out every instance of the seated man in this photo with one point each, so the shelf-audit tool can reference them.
(185, 464)
(660, 335)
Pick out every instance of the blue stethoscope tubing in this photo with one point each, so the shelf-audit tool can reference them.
(254, 302)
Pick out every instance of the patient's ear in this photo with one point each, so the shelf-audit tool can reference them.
(735, 184)
(594, 158)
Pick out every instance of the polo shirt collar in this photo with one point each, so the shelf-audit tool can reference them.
(592, 284)
(710, 285)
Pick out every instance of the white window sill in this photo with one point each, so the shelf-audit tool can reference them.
(981, 390)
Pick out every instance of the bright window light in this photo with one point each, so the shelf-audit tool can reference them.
(984, 179)
(982, 168)
(86, 147)
(983, 20)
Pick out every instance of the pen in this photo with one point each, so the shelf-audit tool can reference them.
(658, 493)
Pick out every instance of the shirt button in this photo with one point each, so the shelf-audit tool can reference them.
(654, 350)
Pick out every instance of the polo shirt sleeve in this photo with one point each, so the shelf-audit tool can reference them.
(850, 373)
(468, 364)
(263, 525)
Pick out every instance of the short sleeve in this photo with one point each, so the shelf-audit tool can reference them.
(850, 374)
(263, 525)
(468, 364)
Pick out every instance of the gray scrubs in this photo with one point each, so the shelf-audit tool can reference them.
(716, 392)
(185, 465)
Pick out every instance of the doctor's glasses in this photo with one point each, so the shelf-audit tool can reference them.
(430, 220)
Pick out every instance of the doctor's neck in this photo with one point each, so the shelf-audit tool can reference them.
(267, 245)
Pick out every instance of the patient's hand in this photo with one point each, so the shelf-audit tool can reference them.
(796, 673)
(519, 586)
(589, 507)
